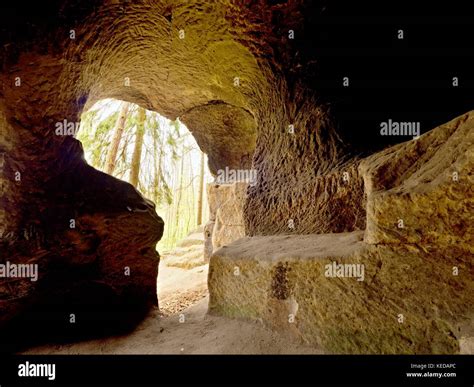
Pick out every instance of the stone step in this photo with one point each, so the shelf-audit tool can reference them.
(344, 295)
(188, 261)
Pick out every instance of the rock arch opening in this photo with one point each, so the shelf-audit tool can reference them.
(162, 160)
(253, 98)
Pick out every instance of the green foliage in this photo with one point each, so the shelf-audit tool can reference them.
(95, 136)
(167, 175)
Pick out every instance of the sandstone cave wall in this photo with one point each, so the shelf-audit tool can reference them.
(136, 53)
(226, 215)
(414, 294)
(228, 69)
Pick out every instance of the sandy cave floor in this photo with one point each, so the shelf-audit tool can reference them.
(184, 292)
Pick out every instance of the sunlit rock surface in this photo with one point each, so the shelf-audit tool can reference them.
(226, 202)
(229, 70)
(422, 191)
(416, 289)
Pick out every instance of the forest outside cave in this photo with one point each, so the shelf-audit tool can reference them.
(162, 160)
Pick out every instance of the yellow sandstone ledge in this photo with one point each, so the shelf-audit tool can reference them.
(412, 299)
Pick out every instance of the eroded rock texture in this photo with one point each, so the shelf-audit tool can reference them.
(423, 191)
(415, 293)
(252, 97)
(92, 238)
(65, 56)
(226, 215)
(401, 306)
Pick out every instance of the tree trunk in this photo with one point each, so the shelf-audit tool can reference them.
(137, 151)
(200, 192)
(157, 156)
(116, 137)
(179, 194)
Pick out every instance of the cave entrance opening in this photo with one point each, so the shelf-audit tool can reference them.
(162, 160)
